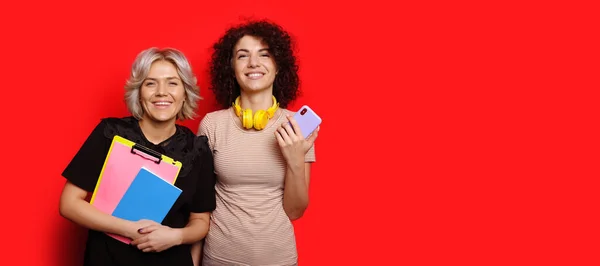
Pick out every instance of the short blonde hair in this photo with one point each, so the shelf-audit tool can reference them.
(139, 72)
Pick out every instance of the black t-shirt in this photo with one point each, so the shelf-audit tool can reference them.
(196, 180)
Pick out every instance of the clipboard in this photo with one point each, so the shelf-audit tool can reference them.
(122, 164)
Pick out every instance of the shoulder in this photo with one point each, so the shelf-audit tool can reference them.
(287, 112)
(110, 126)
(209, 122)
(192, 142)
(121, 121)
(186, 147)
(122, 126)
(184, 130)
(217, 115)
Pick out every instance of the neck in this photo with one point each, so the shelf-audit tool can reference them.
(157, 132)
(256, 101)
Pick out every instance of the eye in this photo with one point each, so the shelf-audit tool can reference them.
(265, 55)
(242, 56)
(149, 83)
(173, 83)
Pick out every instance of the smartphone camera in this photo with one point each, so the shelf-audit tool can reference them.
(303, 111)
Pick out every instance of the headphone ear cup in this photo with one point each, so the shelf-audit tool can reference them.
(247, 118)
(260, 120)
(237, 109)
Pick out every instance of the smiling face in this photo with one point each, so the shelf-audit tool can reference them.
(253, 64)
(162, 93)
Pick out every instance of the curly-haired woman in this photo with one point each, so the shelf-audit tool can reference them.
(261, 159)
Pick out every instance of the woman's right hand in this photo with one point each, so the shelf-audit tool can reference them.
(75, 207)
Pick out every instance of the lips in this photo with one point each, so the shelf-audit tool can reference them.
(255, 75)
(162, 104)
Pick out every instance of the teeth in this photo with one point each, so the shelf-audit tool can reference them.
(162, 103)
(255, 75)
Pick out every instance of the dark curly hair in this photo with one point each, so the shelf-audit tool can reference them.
(222, 81)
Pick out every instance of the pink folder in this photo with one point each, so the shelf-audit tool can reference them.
(123, 161)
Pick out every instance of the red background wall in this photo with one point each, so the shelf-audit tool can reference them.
(455, 133)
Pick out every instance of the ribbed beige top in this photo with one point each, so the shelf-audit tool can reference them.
(249, 225)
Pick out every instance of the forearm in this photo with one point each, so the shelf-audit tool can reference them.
(194, 231)
(295, 193)
(86, 215)
(196, 251)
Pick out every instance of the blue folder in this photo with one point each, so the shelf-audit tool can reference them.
(148, 197)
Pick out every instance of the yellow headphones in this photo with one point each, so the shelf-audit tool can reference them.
(259, 120)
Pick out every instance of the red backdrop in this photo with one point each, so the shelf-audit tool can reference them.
(454, 133)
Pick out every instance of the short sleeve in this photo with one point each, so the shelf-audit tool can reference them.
(310, 155)
(84, 169)
(204, 197)
(206, 129)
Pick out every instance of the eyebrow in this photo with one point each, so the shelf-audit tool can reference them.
(166, 78)
(246, 50)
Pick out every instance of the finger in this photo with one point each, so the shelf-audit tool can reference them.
(148, 229)
(144, 245)
(147, 250)
(295, 126)
(139, 240)
(284, 135)
(290, 131)
(279, 139)
(313, 136)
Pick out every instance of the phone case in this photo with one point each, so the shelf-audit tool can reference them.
(307, 119)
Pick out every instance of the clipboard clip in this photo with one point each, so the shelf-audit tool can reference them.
(148, 151)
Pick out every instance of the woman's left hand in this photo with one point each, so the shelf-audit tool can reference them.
(157, 238)
(291, 142)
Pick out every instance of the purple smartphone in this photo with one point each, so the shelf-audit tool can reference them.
(307, 119)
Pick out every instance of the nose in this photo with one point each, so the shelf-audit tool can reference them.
(253, 62)
(161, 89)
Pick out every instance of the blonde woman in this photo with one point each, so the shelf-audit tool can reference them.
(161, 90)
